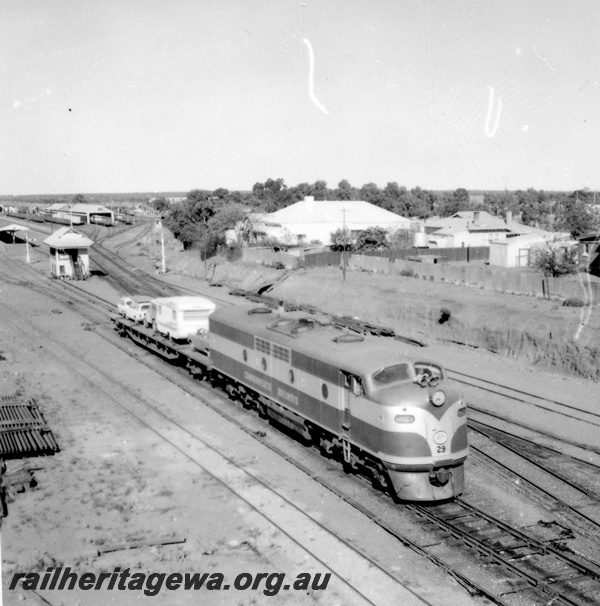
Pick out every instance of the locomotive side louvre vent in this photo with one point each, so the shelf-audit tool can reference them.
(272, 349)
(262, 345)
(281, 353)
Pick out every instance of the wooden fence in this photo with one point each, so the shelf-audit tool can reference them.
(444, 255)
(477, 275)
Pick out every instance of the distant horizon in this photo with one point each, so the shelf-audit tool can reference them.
(183, 194)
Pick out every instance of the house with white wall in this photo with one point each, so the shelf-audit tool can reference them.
(476, 228)
(311, 221)
(518, 251)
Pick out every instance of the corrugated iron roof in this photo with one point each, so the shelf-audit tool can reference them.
(67, 237)
(23, 429)
(336, 211)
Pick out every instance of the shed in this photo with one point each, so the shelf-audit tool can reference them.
(589, 253)
(13, 229)
(69, 254)
(516, 252)
(85, 211)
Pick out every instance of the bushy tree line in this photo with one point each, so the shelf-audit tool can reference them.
(201, 219)
(556, 212)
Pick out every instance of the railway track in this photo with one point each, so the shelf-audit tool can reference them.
(559, 576)
(527, 568)
(575, 472)
(536, 402)
(463, 531)
(492, 543)
(258, 494)
(573, 507)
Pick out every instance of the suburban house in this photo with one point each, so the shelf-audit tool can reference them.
(517, 251)
(475, 228)
(311, 221)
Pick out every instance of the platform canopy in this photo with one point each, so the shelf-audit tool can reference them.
(14, 227)
(67, 237)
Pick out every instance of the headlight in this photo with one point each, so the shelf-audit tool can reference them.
(440, 437)
(438, 397)
(404, 419)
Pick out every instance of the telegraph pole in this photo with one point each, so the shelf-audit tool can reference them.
(27, 257)
(162, 251)
(344, 246)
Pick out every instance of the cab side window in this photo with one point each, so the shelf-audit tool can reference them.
(352, 383)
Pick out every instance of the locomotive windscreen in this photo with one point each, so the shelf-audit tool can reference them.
(392, 374)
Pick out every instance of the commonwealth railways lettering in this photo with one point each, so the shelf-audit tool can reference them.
(266, 385)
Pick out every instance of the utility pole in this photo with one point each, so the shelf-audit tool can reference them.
(27, 257)
(344, 243)
(162, 251)
(205, 249)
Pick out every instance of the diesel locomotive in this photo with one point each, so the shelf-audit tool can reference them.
(392, 416)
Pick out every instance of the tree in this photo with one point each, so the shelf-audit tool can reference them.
(79, 199)
(400, 238)
(372, 238)
(273, 194)
(574, 216)
(160, 204)
(421, 203)
(532, 205)
(554, 260)
(341, 239)
(394, 199)
(221, 193)
(345, 191)
(370, 193)
(188, 219)
(230, 216)
(320, 191)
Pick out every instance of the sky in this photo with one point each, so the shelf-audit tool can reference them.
(173, 95)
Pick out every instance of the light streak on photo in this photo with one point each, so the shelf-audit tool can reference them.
(311, 76)
(586, 311)
(542, 58)
(486, 129)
